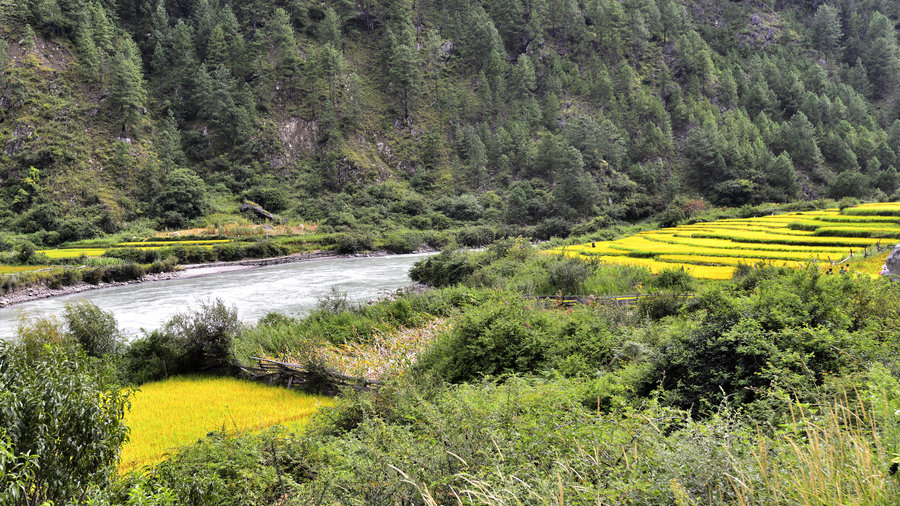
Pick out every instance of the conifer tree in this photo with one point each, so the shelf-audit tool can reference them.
(126, 87)
(826, 29)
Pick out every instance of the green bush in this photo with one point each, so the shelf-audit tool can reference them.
(402, 242)
(94, 329)
(447, 268)
(350, 243)
(136, 255)
(153, 357)
(552, 227)
(62, 415)
(203, 337)
(567, 275)
(498, 337)
(474, 237)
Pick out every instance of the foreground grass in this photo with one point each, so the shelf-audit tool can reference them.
(169, 414)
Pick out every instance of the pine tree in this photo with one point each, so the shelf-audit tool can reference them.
(522, 79)
(881, 61)
(859, 78)
(168, 144)
(28, 37)
(826, 29)
(575, 188)
(217, 51)
(281, 35)
(330, 28)
(126, 87)
(4, 60)
(704, 148)
(103, 29)
(88, 54)
(405, 76)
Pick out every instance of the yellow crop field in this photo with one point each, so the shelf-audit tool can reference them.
(712, 250)
(15, 269)
(725, 244)
(875, 209)
(163, 244)
(644, 247)
(72, 252)
(734, 261)
(169, 414)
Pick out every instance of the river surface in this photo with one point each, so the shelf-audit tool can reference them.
(291, 289)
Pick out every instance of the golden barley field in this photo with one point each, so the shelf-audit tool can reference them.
(167, 415)
(856, 238)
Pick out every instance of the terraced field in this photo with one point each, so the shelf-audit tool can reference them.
(714, 250)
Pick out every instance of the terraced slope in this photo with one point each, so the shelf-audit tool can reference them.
(713, 250)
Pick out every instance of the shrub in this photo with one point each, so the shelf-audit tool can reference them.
(153, 357)
(349, 243)
(403, 242)
(63, 418)
(204, 336)
(141, 256)
(447, 268)
(464, 208)
(120, 273)
(94, 329)
(552, 227)
(676, 280)
(568, 275)
(476, 236)
(499, 337)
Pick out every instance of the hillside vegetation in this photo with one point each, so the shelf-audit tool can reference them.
(360, 116)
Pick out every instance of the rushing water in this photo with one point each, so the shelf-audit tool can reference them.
(288, 288)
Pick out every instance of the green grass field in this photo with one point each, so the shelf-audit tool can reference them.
(713, 250)
(169, 414)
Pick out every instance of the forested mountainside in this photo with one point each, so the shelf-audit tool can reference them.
(425, 115)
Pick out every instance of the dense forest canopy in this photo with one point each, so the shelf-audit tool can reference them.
(423, 114)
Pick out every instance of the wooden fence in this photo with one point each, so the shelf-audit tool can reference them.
(322, 380)
(610, 300)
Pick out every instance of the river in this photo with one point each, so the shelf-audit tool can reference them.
(291, 289)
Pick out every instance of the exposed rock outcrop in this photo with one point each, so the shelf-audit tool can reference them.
(892, 263)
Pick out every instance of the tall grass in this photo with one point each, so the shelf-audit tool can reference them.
(838, 457)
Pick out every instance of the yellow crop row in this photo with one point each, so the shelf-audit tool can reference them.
(762, 237)
(164, 244)
(15, 269)
(72, 252)
(697, 271)
(877, 208)
(717, 260)
(172, 413)
(726, 244)
(655, 266)
(645, 247)
(595, 248)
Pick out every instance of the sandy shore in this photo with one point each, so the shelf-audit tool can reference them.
(187, 271)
